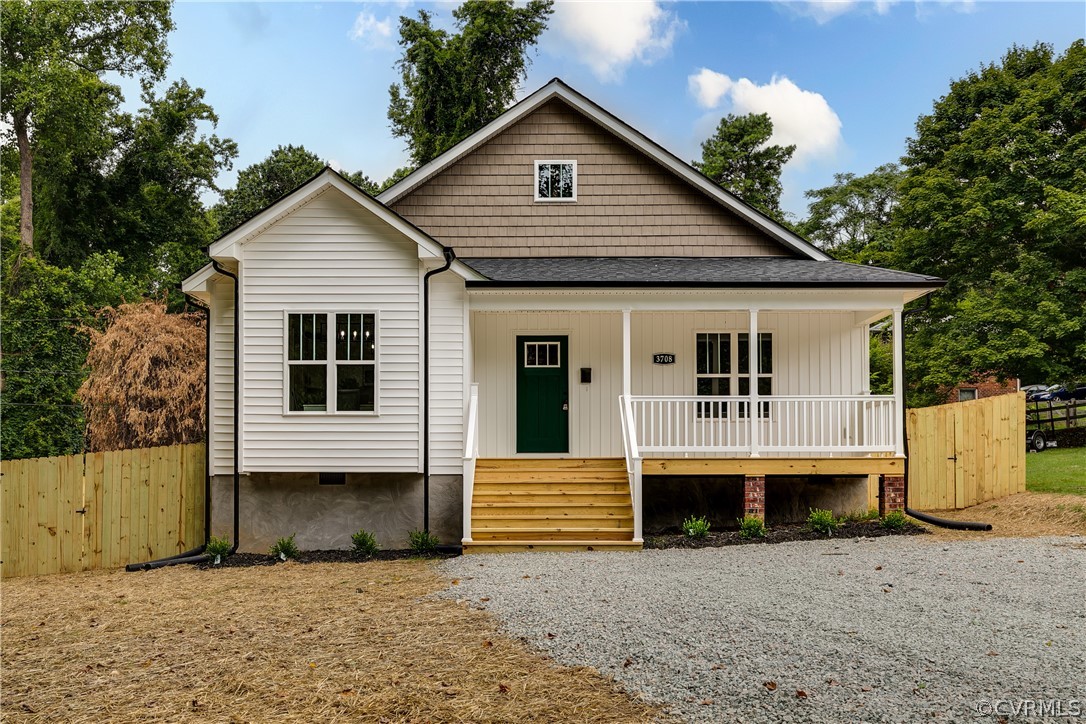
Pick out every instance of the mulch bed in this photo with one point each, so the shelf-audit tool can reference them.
(787, 533)
(249, 560)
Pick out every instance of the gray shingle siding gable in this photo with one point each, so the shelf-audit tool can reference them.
(627, 205)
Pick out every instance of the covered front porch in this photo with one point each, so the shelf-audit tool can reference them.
(667, 383)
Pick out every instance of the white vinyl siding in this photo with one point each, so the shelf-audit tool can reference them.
(447, 411)
(330, 256)
(222, 376)
(815, 353)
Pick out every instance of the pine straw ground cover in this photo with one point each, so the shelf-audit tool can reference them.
(291, 642)
(1024, 515)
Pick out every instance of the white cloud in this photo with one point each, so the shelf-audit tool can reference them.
(372, 32)
(609, 36)
(800, 117)
(823, 11)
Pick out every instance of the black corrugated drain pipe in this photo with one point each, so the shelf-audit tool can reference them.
(450, 255)
(933, 520)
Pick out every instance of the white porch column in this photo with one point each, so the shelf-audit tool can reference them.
(899, 387)
(627, 375)
(752, 351)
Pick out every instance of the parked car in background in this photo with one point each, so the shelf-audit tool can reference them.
(1055, 392)
(1032, 390)
(1079, 393)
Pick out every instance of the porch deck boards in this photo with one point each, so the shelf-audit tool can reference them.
(553, 504)
(768, 465)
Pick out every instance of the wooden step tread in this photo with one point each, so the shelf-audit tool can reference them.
(550, 464)
(552, 516)
(548, 529)
(544, 546)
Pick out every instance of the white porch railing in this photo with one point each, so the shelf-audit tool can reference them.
(633, 461)
(471, 453)
(857, 424)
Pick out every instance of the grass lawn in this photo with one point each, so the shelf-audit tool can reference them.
(1057, 470)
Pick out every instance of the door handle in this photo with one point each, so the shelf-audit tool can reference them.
(565, 406)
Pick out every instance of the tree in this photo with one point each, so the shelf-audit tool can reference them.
(994, 201)
(740, 158)
(852, 218)
(455, 83)
(260, 185)
(139, 193)
(52, 55)
(146, 385)
(45, 310)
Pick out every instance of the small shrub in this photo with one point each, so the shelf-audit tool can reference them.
(217, 548)
(285, 548)
(895, 520)
(422, 542)
(365, 544)
(822, 521)
(861, 516)
(751, 526)
(696, 527)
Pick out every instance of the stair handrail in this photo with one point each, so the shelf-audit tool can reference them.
(471, 453)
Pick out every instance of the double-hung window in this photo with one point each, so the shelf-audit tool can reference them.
(723, 369)
(331, 363)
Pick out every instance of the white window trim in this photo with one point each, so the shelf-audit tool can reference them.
(735, 375)
(330, 363)
(524, 355)
(535, 181)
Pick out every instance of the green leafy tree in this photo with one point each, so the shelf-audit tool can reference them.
(852, 218)
(52, 57)
(139, 194)
(45, 308)
(994, 201)
(455, 83)
(739, 157)
(260, 185)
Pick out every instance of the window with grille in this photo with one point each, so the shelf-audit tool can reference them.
(542, 354)
(555, 180)
(331, 362)
(723, 369)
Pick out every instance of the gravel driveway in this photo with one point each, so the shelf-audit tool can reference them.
(890, 629)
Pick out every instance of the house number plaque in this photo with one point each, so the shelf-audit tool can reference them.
(663, 359)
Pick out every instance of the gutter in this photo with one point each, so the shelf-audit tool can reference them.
(450, 256)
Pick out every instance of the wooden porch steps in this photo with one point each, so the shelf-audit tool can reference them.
(551, 504)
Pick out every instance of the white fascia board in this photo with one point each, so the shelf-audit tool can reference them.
(226, 247)
(197, 282)
(624, 131)
(696, 300)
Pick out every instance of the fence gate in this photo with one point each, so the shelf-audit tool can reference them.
(100, 510)
(966, 453)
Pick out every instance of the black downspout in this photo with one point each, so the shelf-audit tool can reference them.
(237, 409)
(933, 520)
(195, 555)
(450, 255)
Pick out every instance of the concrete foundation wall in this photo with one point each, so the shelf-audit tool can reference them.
(668, 500)
(389, 505)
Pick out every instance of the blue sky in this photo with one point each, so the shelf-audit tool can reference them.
(844, 80)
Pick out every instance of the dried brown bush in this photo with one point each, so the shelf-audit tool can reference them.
(146, 378)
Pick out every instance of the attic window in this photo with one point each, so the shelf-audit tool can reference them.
(555, 180)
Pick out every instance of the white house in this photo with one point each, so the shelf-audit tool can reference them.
(586, 359)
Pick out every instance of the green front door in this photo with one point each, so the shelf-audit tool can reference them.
(542, 394)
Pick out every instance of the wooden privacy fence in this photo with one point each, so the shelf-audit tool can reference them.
(100, 510)
(966, 453)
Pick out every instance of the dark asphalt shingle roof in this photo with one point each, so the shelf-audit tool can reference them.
(758, 271)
